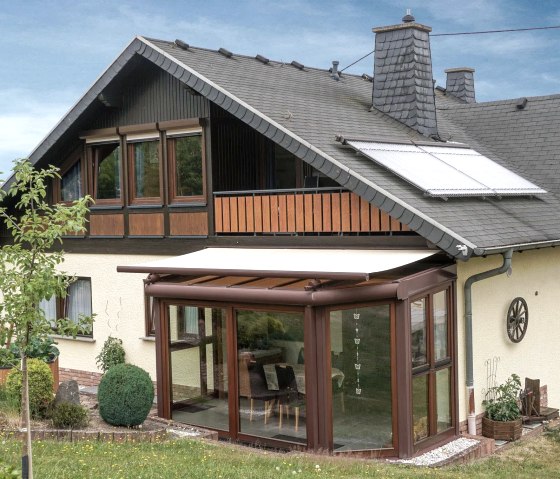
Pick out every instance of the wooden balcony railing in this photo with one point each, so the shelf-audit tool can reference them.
(309, 210)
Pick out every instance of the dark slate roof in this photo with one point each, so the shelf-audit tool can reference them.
(304, 109)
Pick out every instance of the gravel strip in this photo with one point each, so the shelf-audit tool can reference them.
(440, 454)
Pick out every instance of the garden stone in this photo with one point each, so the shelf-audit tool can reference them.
(69, 392)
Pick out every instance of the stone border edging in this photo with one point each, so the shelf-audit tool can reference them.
(80, 435)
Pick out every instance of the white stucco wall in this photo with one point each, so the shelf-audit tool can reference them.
(118, 302)
(535, 277)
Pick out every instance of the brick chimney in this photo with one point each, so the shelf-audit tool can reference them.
(403, 81)
(460, 83)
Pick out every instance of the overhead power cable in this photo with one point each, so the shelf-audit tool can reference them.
(553, 27)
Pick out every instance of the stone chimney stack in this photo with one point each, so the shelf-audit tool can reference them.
(460, 83)
(403, 81)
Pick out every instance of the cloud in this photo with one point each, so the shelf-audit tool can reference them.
(23, 128)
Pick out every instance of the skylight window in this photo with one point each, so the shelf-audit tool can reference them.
(447, 170)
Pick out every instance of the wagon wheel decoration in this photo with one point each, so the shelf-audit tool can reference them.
(517, 320)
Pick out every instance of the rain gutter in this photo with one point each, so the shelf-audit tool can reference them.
(507, 255)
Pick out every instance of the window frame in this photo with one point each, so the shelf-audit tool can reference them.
(130, 142)
(62, 306)
(171, 138)
(93, 161)
(433, 366)
(77, 157)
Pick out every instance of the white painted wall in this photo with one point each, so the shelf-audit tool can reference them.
(118, 301)
(536, 278)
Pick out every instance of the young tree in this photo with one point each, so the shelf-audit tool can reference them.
(29, 269)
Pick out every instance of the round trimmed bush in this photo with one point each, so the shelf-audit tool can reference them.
(125, 395)
(67, 415)
(40, 386)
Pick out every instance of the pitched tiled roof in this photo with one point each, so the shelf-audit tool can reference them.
(304, 109)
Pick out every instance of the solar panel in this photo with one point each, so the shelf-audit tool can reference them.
(446, 170)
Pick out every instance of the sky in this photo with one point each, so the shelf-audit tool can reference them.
(52, 51)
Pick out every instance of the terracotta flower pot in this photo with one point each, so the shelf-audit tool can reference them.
(53, 365)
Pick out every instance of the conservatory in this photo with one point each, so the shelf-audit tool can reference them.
(349, 351)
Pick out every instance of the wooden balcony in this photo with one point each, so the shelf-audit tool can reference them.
(309, 210)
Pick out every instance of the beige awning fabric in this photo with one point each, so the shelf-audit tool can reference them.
(295, 263)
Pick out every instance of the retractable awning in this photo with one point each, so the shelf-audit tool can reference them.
(347, 264)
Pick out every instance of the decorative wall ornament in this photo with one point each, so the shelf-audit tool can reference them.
(517, 320)
(357, 364)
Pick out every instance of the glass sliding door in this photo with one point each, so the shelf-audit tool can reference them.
(271, 375)
(432, 366)
(198, 366)
(361, 374)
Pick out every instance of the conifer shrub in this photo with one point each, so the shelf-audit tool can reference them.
(40, 386)
(67, 415)
(125, 395)
(112, 353)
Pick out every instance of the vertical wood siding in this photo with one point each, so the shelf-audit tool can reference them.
(297, 212)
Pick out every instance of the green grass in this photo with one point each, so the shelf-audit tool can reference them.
(201, 459)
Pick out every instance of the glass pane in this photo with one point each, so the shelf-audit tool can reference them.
(49, 309)
(188, 151)
(443, 399)
(440, 325)
(418, 332)
(108, 172)
(146, 169)
(199, 379)
(420, 407)
(271, 375)
(71, 183)
(78, 301)
(361, 378)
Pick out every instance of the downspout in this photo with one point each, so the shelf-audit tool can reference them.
(471, 418)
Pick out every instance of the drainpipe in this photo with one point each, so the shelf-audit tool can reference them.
(471, 418)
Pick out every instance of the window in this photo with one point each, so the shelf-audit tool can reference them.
(71, 183)
(144, 161)
(106, 160)
(186, 166)
(77, 303)
(431, 365)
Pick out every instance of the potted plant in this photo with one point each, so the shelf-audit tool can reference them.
(42, 349)
(503, 415)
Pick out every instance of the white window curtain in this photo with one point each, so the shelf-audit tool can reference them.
(191, 320)
(79, 299)
(48, 306)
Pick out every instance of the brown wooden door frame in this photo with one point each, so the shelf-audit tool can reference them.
(432, 367)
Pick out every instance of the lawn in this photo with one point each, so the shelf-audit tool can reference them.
(536, 457)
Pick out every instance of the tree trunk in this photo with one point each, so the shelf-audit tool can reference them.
(26, 456)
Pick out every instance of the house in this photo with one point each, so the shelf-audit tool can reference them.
(307, 258)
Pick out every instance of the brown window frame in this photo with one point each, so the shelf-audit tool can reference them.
(93, 161)
(76, 157)
(62, 307)
(151, 200)
(432, 367)
(171, 140)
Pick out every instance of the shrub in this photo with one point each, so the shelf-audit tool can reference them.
(112, 353)
(125, 395)
(67, 415)
(40, 386)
